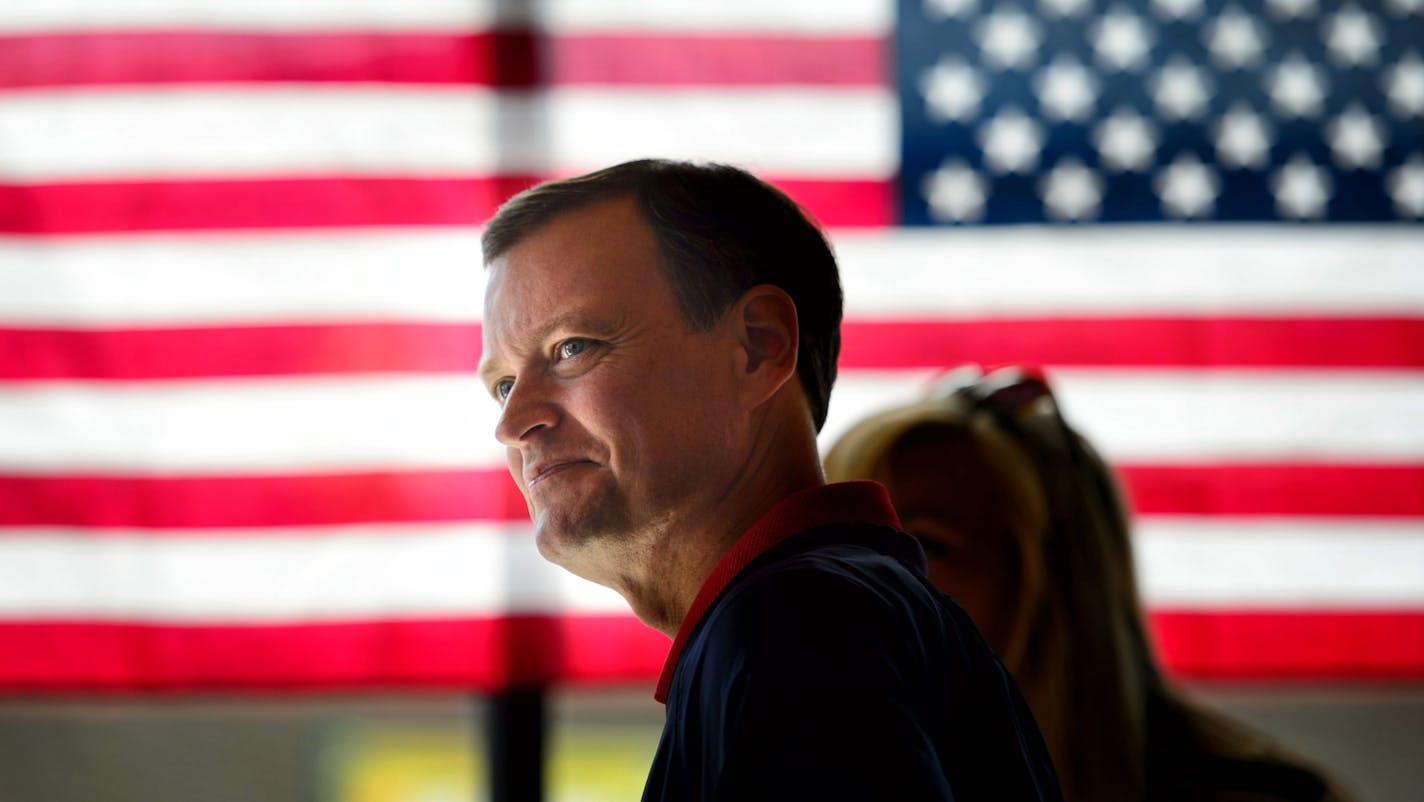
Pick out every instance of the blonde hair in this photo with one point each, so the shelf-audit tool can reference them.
(1076, 643)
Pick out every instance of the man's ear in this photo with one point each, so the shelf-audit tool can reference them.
(767, 333)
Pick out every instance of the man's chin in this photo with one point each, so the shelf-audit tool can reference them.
(552, 546)
(573, 556)
(559, 538)
(572, 543)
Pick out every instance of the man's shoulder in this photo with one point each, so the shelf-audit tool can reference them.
(863, 565)
(827, 592)
(840, 657)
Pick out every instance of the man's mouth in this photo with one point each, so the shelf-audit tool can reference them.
(539, 472)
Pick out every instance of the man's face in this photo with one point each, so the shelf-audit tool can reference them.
(615, 415)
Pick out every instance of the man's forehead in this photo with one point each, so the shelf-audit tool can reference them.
(587, 269)
(607, 224)
(526, 296)
(512, 327)
(578, 247)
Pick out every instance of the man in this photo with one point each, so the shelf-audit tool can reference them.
(662, 338)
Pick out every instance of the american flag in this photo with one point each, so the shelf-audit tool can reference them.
(242, 445)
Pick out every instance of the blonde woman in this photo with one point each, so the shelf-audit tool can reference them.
(1023, 523)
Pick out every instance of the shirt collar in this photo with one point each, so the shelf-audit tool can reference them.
(841, 502)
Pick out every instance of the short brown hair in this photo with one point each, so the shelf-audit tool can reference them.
(720, 231)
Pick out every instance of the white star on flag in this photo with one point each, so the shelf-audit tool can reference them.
(1356, 138)
(1242, 138)
(1235, 39)
(1071, 191)
(1011, 142)
(1302, 188)
(1066, 90)
(1187, 187)
(1121, 41)
(952, 90)
(1406, 187)
(955, 192)
(1008, 38)
(1125, 141)
(1404, 86)
(1180, 91)
(1353, 36)
(1297, 88)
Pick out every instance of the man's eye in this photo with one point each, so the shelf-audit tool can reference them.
(502, 388)
(572, 348)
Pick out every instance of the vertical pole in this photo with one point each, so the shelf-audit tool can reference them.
(514, 729)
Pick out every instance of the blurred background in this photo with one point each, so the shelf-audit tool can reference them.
(256, 537)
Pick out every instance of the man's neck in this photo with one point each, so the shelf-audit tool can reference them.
(660, 569)
(679, 561)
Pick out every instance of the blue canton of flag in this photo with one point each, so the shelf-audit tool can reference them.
(1234, 110)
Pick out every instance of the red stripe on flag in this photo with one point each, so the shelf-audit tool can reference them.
(718, 60)
(504, 58)
(1373, 342)
(483, 654)
(293, 202)
(509, 58)
(194, 352)
(246, 501)
(1290, 644)
(214, 502)
(842, 203)
(1293, 489)
(477, 653)
(174, 353)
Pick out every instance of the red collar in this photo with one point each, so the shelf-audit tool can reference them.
(842, 502)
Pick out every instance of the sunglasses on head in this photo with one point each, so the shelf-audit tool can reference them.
(1014, 393)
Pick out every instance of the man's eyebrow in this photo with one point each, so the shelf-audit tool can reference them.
(488, 369)
(577, 320)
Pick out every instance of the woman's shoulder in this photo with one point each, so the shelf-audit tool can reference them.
(1198, 755)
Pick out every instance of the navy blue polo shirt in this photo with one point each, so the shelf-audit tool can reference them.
(818, 662)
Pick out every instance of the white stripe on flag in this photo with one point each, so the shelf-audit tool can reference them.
(271, 575)
(1225, 415)
(433, 274)
(427, 131)
(422, 570)
(200, 427)
(1263, 562)
(804, 16)
(1207, 415)
(1133, 269)
(369, 422)
(68, 15)
(348, 275)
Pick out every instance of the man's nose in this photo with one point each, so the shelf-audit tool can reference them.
(528, 408)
